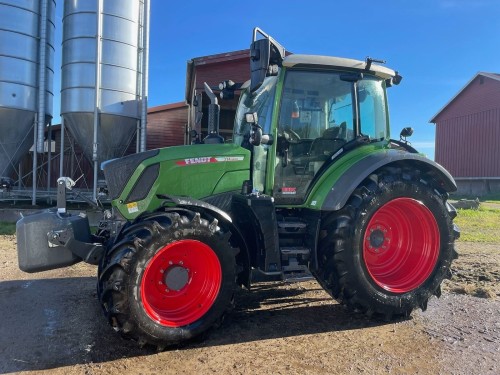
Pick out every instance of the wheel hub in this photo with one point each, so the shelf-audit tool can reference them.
(176, 278)
(378, 239)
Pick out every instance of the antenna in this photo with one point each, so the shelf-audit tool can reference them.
(369, 60)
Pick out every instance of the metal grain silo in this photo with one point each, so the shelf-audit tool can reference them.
(102, 64)
(26, 76)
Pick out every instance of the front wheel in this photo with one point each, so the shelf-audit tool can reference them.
(388, 250)
(168, 278)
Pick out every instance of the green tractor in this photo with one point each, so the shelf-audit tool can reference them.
(311, 186)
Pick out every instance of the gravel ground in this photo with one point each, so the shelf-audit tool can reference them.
(51, 323)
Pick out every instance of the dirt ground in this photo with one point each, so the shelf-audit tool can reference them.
(51, 323)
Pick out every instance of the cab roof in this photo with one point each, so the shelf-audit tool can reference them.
(297, 60)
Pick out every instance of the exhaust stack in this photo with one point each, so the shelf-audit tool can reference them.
(213, 118)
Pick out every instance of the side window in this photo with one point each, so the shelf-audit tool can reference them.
(261, 101)
(372, 109)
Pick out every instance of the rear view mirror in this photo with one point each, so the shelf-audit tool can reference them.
(406, 132)
(266, 56)
(259, 63)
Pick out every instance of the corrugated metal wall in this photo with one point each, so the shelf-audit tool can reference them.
(166, 125)
(469, 146)
(468, 131)
(238, 70)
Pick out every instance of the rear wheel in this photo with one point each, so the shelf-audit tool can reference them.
(388, 250)
(168, 278)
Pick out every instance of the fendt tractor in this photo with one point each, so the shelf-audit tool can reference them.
(311, 185)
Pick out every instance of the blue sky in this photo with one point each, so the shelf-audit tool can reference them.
(437, 45)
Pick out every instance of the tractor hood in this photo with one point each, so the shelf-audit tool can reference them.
(198, 171)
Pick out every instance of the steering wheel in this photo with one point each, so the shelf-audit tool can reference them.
(290, 135)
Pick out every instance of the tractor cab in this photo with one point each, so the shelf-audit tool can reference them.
(300, 113)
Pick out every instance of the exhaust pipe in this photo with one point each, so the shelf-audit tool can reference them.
(213, 118)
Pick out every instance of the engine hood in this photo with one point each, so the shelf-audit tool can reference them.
(196, 171)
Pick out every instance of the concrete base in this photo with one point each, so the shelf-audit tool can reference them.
(477, 187)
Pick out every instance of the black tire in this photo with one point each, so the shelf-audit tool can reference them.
(356, 250)
(190, 256)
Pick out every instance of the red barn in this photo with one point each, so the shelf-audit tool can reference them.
(468, 135)
(169, 125)
(214, 69)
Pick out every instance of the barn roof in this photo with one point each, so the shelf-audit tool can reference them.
(166, 107)
(495, 76)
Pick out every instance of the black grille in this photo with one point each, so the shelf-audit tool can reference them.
(119, 171)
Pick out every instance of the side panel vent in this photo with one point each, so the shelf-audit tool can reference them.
(144, 183)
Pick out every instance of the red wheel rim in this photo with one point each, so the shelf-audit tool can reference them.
(401, 245)
(181, 283)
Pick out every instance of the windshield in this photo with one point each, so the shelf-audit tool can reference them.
(317, 102)
(261, 101)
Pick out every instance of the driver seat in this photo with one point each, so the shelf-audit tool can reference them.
(330, 141)
(321, 148)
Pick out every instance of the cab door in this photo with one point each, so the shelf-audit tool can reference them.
(315, 120)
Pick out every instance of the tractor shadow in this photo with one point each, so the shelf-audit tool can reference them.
(279, 310)
(51, 323)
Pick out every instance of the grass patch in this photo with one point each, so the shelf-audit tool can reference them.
(481, 225)
(7, 228)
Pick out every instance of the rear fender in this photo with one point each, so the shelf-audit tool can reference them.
(343, 187)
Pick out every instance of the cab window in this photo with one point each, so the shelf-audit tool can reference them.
(372, 108)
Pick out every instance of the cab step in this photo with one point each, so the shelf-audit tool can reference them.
(291, 227)
(296, 272)
(295, 250)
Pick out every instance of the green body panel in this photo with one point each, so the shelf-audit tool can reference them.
(327, 180)
(195, 171)
(271, 160)
(231, 181)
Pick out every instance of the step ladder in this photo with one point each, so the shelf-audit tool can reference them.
(294, 255)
